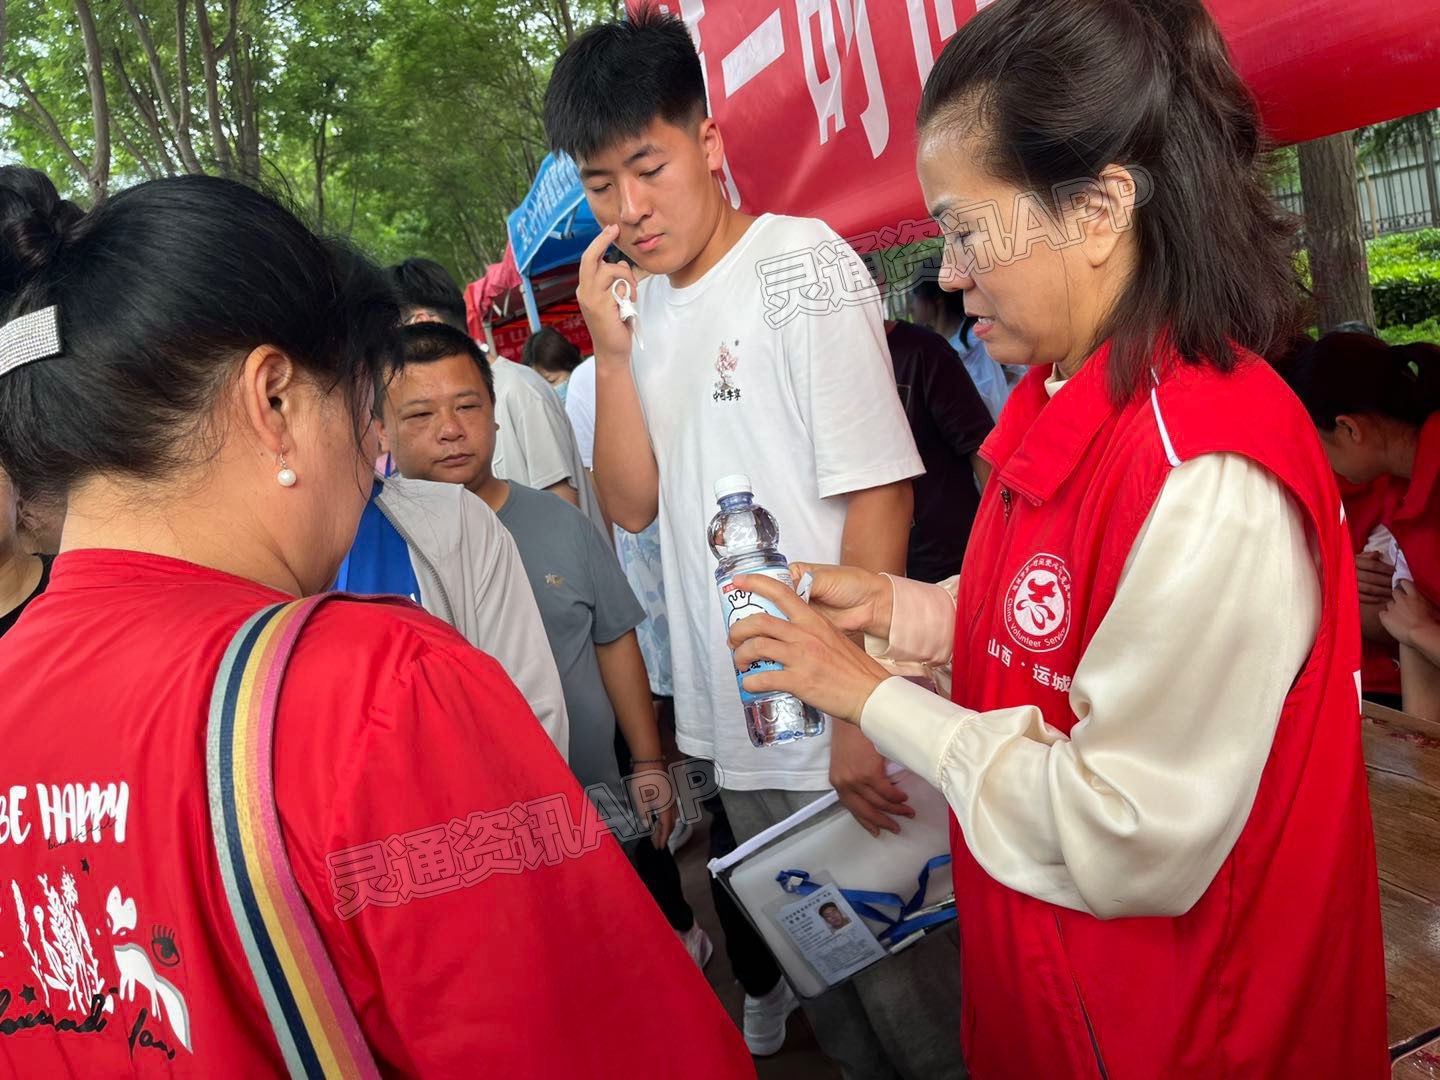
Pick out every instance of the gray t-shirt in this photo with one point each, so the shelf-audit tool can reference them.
(584, 601)
(535, 445)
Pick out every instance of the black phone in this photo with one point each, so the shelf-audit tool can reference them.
(614, 255)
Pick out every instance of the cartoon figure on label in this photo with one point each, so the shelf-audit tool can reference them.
(742, 605)
(725, 364)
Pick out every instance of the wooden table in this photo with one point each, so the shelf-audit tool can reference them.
(1422, 1064)
(1402, 756)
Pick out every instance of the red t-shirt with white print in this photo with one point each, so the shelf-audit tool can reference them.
(118, 954)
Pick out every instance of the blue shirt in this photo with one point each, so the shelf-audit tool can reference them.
(985, 373)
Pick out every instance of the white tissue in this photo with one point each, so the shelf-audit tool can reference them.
(1382, 542)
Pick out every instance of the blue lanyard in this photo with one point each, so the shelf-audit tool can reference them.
(864, 902)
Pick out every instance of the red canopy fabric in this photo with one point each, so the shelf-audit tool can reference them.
(499, 278)
(510, 337)
(817, 99)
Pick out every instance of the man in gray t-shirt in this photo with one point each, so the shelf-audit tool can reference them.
(438, 422)
(585, 601)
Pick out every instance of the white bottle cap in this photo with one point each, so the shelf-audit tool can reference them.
(732, 485)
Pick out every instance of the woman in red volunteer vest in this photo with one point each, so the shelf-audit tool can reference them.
(1377, 408)
(195, 369)
(1164, 867)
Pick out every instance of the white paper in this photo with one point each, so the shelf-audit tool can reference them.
(1382, 541)
(833, 939)
(788, 825)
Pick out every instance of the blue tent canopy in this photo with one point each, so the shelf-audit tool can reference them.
(552, 227)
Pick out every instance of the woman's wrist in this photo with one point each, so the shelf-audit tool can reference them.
(879, 676)
(883, 607)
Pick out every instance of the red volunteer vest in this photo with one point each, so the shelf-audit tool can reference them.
(1278, 970)
(1367, 505)
(1414, 515)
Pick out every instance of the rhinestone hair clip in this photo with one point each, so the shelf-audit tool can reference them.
(28, 338)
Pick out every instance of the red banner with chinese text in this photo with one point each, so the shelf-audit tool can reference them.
(816, 98)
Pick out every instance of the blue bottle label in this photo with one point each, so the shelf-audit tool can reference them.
(740, 604)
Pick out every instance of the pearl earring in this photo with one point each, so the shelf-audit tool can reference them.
(286, 475)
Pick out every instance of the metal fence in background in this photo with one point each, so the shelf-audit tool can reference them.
(1397, 192)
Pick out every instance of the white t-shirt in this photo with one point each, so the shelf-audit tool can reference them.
(806, 408)
(535, 445)
(580, 408)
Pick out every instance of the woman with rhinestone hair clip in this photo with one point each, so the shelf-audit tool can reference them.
(1164, 867)
(212, 869)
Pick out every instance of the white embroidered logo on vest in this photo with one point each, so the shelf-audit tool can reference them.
(1037, 606)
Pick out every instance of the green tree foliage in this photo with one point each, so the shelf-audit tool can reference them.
(411, 126)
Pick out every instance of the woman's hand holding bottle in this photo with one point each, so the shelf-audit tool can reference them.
(822, 666)
(853, 599)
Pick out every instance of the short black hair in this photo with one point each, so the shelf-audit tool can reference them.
(162, 291)
(928, 288)
(549, 350)
(829, 904)
(427, 342)
(423, 283)
(617, 78)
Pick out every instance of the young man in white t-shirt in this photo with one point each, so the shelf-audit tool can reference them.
(731, 379)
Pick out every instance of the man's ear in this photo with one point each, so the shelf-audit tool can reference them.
(712, 143)
(1349, 430)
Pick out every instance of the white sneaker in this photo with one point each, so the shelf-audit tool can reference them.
(697, 944)
(765, 1019)
(679, 835)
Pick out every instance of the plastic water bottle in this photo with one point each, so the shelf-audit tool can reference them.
(743, 537)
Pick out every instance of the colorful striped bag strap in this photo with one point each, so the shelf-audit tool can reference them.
(318, 1033)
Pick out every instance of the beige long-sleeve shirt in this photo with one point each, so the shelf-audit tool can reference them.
(1177, 699)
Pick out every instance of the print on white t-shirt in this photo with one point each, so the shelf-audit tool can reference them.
(725, 365)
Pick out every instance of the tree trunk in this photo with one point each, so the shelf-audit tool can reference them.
(242, 97)
(99, 172)
(247, 103)
(1340, 276)
(177, 117)
(210, 57)
(148, 115)
(43, 116)
(318, 149)
(182, 67)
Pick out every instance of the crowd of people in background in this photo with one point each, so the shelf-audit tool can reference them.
(214, 364)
